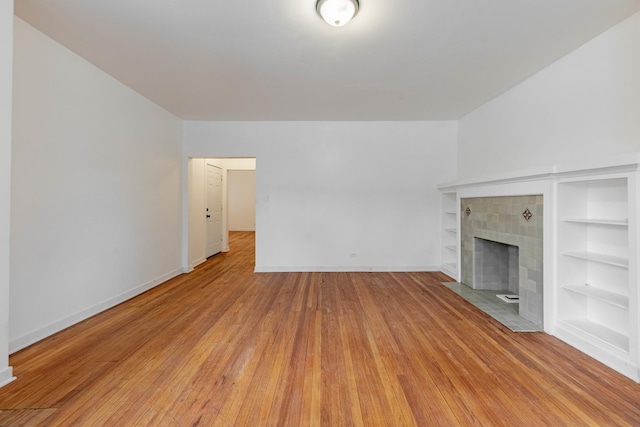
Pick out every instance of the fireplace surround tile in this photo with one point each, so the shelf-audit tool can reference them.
(500, 219)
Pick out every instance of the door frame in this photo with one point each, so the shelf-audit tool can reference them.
(188, 264)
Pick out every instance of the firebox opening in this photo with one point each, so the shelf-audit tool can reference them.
(495, 266)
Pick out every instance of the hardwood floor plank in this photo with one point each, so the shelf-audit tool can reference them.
(25, 417)
(224, 346)
(316, 382)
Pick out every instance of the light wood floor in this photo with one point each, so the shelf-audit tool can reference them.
(224, 346)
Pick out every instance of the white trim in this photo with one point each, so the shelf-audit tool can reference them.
(449, 272)
(347, 269)
(620, 364)
(42, 333)
(6, 376)
(197, 262)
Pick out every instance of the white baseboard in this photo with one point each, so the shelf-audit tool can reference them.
(197, 262)
(348, 269)
(39, 334)
(618, 363)
(449, 272)
(6, 376)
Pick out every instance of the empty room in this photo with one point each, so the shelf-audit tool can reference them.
(319, 212)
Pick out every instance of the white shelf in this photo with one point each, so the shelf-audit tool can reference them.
(613, 222)
(601, 258)
(614, 299)
(596, 217)
(449, 245)
(609, 336)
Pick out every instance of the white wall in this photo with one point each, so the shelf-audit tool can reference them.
(340, 195)
(96, 190)
(197, 225)
(242, 200)
(6, 58)
(584, 106)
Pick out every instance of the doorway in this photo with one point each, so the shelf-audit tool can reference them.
(210, 220)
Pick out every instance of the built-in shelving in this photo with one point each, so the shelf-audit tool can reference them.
(450, 234)
(596, 294)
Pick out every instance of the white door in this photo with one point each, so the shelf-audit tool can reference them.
(214, 210)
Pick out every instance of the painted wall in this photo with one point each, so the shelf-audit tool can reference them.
(6, 69)
(96, 190)
(242, 200)
(340, 195)
(583, 107)
(197, 231)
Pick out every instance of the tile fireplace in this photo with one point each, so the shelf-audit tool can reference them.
(501, 248)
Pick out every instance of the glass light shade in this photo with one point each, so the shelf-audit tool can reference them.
(337, 12)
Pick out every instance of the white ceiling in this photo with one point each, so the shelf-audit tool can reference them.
(277, 60)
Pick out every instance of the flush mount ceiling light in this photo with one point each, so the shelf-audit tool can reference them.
(337, 12)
